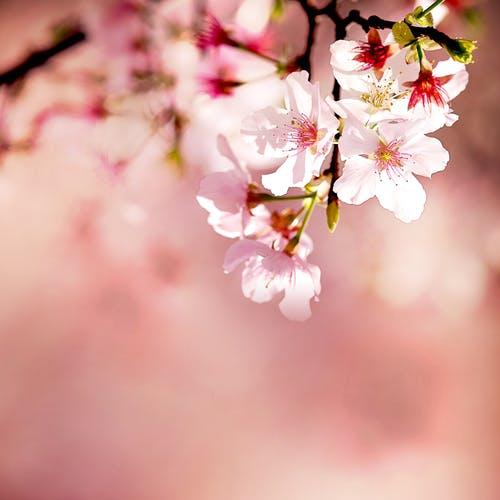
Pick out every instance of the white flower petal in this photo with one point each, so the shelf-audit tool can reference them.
(257, 284)
(296, 302)
(299, 92)
(226, 190)
(296, 171)
(240, 251)
(406, 198)
(358, 181)
(427, 155)
(357, 140)
(264, 129)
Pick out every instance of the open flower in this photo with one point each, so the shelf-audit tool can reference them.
(302, 132)
(227, 198)
(349, 58)
(436, 87)
(268, 271)
(382, 163)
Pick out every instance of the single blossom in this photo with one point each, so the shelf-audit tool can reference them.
(351, 58)
(436, 87)
(302, 131)
(375, 99)
(269, 271)
(383, 162)
(227, 197)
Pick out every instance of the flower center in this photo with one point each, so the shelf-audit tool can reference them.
(372, 54)
(390, 160)
(303, 133)
(379, 96)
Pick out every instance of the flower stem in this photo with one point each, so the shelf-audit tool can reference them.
(267, 198)
(430, 8)
(292, 244)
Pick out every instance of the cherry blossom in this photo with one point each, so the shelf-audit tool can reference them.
(268, 271)
(303, 132)
(227, 198)
(351, 58)
(436, 87)
(381, 163)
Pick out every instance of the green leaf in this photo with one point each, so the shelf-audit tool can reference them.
(416, 17)
(461, 49)
(332, 215)
(402, 33)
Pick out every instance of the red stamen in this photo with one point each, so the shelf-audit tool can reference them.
(428, 89)
(373, 54)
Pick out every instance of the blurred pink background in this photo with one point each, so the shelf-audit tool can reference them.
(132, 367)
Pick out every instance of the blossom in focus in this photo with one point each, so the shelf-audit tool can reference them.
(375, 99)
(268, 271)
(226, 197)
(435, 88)
(351, 58)
(382, 162)
(303, 132)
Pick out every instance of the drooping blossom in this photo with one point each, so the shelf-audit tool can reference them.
(269, 271)
(383, 162)
(302, 132)
(436, 87)
(227, 197)
(350, 58)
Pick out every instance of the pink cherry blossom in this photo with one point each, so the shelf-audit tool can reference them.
(269, 271)
(382, 162)
(303, 132)
(225, 196)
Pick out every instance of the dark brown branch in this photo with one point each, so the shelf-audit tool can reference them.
(304, 60)
(40, 57)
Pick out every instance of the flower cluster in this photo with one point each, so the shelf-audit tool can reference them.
(388, 96)
(153, 78)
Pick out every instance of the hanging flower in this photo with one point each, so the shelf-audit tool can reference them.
(269, 271)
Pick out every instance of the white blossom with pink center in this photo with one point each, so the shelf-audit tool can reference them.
(225, 197)
(303, 132)
(268, 271)
(382, 162)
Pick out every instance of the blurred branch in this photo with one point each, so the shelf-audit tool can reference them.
(41, 57)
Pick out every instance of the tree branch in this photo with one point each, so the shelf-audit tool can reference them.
(40, 57)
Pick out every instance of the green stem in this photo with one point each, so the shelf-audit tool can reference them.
(264, 197)
(292, 244)
(419, 52)
(430, 8)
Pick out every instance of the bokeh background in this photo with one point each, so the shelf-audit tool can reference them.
(132, 368)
